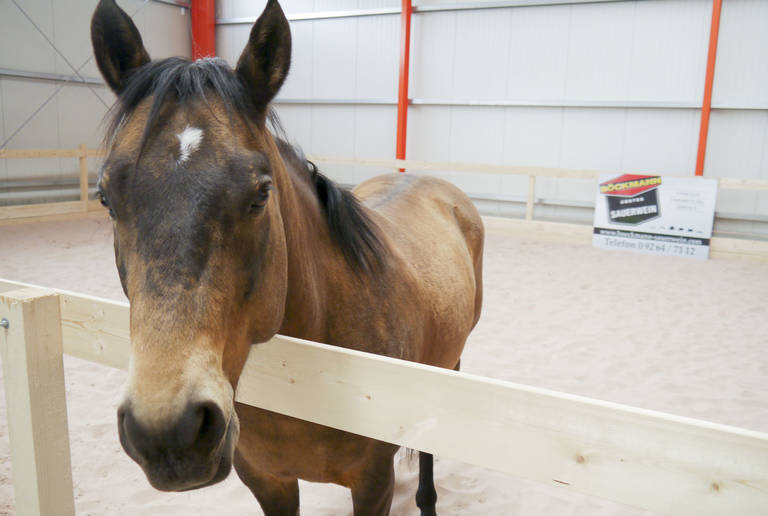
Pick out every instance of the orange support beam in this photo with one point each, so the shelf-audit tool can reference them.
(402, 96)
(706, 105)
(203, 13)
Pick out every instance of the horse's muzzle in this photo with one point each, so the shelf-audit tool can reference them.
(195, 451)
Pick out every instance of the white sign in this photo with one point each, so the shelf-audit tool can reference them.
(655, 214)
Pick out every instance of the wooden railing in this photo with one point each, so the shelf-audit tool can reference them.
(656, 461)
(28, 212)
(53, 210)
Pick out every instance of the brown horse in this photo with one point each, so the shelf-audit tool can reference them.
(225, 235)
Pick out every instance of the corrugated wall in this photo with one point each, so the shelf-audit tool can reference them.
(613, 86)
(75, 114)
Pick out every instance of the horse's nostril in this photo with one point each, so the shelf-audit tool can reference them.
(202, 427)
(128, 430)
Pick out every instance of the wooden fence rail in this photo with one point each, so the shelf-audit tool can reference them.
(24, 213)
(646, 459)
(54, 210)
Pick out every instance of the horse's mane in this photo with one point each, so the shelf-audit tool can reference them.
(180, 80)
(351, 228)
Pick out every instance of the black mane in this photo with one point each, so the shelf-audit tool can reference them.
(181, 81)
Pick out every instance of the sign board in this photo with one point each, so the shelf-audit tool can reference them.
(663, 215)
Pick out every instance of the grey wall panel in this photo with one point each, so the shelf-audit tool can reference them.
(333, 134)
(476, 135)
(433, 44)
(231, 40)
(533, 136)
(74, 116)
(21, 46)
(20, 99)
(481, 55)
(333, 130)
(335, 5)
(375, 128)
(742, 54)
(165, 29)
(297, 122)
(593, 138)
(600, 36)
(241, 9)
(668, 55)
(429, 129)
(253, 8)
(660, 141)
(738, 148)
(349, 131)
(538, 53)
(300, 82)
(3, 164)
(80, 118)
(738, 145)
(334, 58)
(72, 35)
(378, 57)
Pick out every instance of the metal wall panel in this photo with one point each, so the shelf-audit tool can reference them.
(21, 47)
(667, 59)
(538, 53)
(334, 58)
(660, 141)
(481, 54)
(533, 136)
(72, 35)
(20, 99)
(3, 164)
(75, 114)
(348, 131)
(600, 36)
(228, 9)
(433, 45)
(742, 55)
(231, 40)
(378, 57)
(300, 81)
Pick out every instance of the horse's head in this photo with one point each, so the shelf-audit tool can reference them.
(199, 240)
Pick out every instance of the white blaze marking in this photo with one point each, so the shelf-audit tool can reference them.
(189, 141)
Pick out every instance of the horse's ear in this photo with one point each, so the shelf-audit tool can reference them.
(265, 61)
(117, 44)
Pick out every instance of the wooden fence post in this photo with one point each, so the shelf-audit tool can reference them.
(84, 175)
(33, 373)
(531, 200)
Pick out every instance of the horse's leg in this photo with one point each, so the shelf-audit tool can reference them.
(373, 490)
(426, 496)
(277, 497)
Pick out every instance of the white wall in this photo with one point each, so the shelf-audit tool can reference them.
(548, 64)
(627, 53)
(75, 114)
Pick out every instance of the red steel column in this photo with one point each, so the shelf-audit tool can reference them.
(402, 96)
(203, 14)
(706, 105)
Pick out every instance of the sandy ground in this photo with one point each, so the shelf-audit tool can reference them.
(680, 336)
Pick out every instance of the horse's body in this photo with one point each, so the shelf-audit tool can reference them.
(421, 307)
(225, 235)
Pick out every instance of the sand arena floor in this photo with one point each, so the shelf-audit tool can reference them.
(680, 336)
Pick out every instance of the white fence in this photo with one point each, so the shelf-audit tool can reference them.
(638, 457)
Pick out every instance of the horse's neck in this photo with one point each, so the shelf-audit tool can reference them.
(310, 253)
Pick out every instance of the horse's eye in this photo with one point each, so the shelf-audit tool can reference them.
(104, 202)
(261, 198)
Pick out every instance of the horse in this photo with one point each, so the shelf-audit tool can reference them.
(225, 235)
